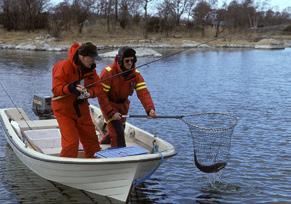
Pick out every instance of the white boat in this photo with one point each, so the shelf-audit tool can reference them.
(37, 144)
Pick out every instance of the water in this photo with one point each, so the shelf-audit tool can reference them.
(251, 84)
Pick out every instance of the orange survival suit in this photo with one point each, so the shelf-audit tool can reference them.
(118, 89)
(72, 114)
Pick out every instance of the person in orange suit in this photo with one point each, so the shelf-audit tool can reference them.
(119, 81)
(76, 80)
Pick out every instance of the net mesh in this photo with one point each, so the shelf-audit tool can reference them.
(211, 133)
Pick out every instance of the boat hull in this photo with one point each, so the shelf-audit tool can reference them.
(110, 177)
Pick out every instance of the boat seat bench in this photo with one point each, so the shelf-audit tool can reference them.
(37, 124)
(16, 114)
(47, 140)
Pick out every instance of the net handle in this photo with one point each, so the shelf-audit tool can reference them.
(159, 116)
(182, 118)
(204, 168)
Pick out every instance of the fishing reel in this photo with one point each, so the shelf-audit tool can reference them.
(84, 94)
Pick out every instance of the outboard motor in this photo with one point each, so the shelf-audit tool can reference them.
(41, 106)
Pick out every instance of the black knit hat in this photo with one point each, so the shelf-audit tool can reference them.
(88, 49)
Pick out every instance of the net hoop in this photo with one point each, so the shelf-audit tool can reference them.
(226, 120)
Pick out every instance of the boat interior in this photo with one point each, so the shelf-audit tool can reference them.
(44, 135)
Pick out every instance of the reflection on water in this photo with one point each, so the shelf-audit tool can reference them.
(28, 187)
(254, 85)
(19, 184)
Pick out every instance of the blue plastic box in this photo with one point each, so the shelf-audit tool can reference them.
(121, 152)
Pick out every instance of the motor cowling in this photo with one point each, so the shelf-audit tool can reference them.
(41, 106)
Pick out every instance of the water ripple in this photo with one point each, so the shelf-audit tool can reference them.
(251, 84)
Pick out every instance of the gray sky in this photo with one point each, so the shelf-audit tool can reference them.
(280, 3)
(274, 4)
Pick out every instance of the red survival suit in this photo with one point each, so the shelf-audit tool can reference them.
(118, 88)
(76, 126)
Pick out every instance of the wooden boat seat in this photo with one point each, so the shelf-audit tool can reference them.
(47, 140)
(16, 114)
(38, 124)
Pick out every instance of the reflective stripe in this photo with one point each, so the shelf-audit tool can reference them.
(108, 69)
(105, 86)
(140, 84)
(142, 87)
(106, 90)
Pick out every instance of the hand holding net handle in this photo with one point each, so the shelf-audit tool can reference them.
(205, 125)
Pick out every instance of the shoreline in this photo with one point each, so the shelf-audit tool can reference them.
(62, 48)
(48, 45)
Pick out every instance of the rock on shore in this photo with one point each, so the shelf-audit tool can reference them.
(270, 44)
(140, 52)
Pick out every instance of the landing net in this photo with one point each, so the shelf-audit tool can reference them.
(211, 133)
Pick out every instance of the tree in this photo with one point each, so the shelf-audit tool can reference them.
(179, 8)
(145, 7)
(24, 14)
(166, 15)
(235, 15)
(61, 18)
(35, 14)
(219, 18)
(81, 9)
(124, 14)
(201, 14)
(108, 14)
(189, 8)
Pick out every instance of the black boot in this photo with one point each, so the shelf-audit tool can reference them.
(106, 139)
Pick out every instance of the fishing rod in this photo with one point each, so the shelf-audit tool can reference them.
(145, 64)
(161, 58)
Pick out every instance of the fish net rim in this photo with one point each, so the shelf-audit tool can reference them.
(233, 122)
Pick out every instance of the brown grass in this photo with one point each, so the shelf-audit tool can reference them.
(98, 34)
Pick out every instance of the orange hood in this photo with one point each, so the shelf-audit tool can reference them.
(72, 51)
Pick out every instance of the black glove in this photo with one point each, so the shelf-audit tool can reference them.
(86, 70)
(93, 66)
(73, 88)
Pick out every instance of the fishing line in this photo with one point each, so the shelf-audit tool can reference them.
(146, 64)
(175, 53)
(24, 138)
(183, 50)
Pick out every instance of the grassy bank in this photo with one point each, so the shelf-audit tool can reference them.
(99, 35)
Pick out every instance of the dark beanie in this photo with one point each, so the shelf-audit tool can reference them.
(88, 49)
(129, 52)
(126, 51)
